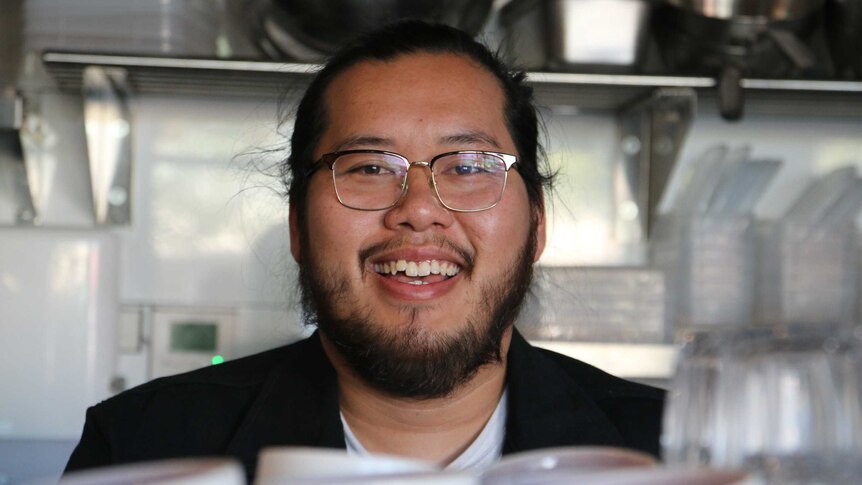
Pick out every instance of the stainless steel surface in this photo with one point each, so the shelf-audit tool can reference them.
(596, 92)
(844, 31)
(108, 128)
(309, 30)
(735, 39)
(11, 111)
(651, 135)
(10, 43)
(605, 35)
(755, 9)
(12, 156)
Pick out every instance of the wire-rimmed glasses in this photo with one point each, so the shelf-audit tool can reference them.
(464, 181)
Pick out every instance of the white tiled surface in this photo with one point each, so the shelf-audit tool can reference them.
(58, 294)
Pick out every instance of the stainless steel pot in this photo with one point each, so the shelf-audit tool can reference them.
(844, 28)
(576, 35)
(730, 39)
(308, 30)
(763, 10)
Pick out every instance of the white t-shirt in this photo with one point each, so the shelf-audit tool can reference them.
(486, 449)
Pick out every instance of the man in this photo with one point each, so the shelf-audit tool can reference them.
(416, 215)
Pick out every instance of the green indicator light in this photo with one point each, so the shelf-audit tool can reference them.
(217, 359)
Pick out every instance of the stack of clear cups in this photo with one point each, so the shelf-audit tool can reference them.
(783, 402)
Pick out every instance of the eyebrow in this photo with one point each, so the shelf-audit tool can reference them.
(471, 137)
(356, 141)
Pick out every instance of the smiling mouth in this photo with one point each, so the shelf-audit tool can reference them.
(418, 272)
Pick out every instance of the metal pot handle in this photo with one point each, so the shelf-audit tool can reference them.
(730, 95)
(794, 49)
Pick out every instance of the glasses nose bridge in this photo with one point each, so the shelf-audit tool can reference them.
(432, 182)
(419, 164)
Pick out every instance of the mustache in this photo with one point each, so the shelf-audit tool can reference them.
(440, 241)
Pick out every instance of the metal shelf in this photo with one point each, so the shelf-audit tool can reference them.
(627, 360)
(587, 92)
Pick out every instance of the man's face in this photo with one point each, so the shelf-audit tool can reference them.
(395, 330)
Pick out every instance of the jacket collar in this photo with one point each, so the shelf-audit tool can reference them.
(298, 405)
(547, 408)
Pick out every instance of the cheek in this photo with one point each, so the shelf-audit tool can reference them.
(335, 233)
(505, 231)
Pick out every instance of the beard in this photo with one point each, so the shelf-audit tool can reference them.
(411, 360)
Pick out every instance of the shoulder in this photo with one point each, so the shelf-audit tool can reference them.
(583, 400)
(202, 412)
(598, 383)
(212, 396)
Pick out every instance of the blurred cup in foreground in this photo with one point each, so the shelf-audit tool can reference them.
(283, 465)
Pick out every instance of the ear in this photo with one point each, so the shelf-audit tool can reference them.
(293, 219)
(541, 236)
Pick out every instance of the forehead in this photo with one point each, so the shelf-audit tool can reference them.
(414, 95)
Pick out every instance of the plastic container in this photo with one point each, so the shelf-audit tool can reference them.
(806, 273)
(619, 304)
(708, 264)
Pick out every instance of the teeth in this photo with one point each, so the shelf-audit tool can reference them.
(412, 269)
(424, 268)
(420, 268)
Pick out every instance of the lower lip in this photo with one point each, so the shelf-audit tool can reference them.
(406, 291)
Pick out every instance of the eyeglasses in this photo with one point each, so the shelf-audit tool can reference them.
(465, 181)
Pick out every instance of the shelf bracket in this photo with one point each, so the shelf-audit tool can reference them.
(651, 132)
(12, 150)
(107, 122)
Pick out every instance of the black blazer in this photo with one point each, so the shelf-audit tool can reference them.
(289, 396)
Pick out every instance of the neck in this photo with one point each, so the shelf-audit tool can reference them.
(436, 430)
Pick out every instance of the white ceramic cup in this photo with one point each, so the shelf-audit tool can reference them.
(192, 471)
(282, 465)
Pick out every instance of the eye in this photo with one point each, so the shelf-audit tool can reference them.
(467, 165)
(368, 169)
(468, 169)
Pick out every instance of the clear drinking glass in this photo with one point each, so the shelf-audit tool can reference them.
(782, 401)
(690, 414)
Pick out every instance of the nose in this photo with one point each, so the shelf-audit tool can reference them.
(419, 209)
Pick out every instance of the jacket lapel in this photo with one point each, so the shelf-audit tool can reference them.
(547, 408)
(297, 406)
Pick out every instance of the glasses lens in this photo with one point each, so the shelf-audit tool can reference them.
(470, 181)
(367, 180)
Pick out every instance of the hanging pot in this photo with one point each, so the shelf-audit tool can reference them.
(309, 30)
(730, 39)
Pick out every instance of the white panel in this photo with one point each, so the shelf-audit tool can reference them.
(582, 149)
(208, 228)
(58, 307)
